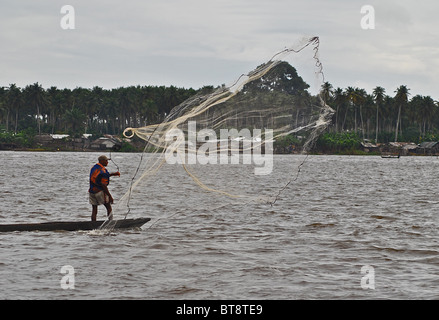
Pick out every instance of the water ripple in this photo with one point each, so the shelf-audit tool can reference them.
(341, 214)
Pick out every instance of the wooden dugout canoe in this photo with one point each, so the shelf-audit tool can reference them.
(74, 225)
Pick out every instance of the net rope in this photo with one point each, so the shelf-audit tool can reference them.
(255, 101)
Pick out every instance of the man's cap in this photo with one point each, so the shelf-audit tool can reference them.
(103, 158)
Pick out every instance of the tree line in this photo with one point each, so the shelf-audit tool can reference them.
(81, 110)
(382, 117)
(377, 116)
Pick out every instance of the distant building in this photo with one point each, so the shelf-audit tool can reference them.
(368, 146)
(106, 142)
(399, 148)
(428, 148)
(408, 149)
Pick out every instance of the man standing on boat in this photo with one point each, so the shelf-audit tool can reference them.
(98, 192)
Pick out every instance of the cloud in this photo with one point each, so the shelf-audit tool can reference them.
(195, 43)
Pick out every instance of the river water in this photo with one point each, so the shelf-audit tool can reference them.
(349, 227)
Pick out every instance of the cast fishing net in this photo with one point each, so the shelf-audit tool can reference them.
(225, 140)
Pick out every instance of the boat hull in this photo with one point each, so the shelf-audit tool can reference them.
(74, 225)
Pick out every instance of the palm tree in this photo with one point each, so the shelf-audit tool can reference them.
(360, 99)
(36, 97)
(54, 105)
(96, 101)
(368, 110)
(387, 112)
(15, 101)
(378, 96)
(340, 102)
(326, 91)
(75, 118)
(431, 108)
(82, 101)
(425, 109)
(401, 99)
(302, 101)
(350, 96)
(356, 97)
(3, 95)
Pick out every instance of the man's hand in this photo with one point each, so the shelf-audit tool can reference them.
(115, 174)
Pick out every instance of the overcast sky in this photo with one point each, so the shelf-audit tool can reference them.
(192, 43)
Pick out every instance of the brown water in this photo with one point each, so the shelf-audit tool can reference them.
(341, 214)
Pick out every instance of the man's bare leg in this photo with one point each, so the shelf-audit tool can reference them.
(109, 211)
(94, 212)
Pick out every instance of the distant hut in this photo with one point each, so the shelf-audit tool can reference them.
(409, 149)
(391, 150)
(106, 143)
(428, 148)
(367, 146)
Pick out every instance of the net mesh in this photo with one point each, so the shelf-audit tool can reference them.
(222, 136)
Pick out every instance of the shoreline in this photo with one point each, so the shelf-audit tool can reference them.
(315, 153)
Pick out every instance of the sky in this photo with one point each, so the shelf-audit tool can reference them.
(193, 43)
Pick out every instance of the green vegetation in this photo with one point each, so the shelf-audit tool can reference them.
(24, 138)
(96, 111)
(287, 144)
(343, 142)
(383, 118)
(375, 116)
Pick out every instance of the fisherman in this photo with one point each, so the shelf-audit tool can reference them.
(98, 192)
